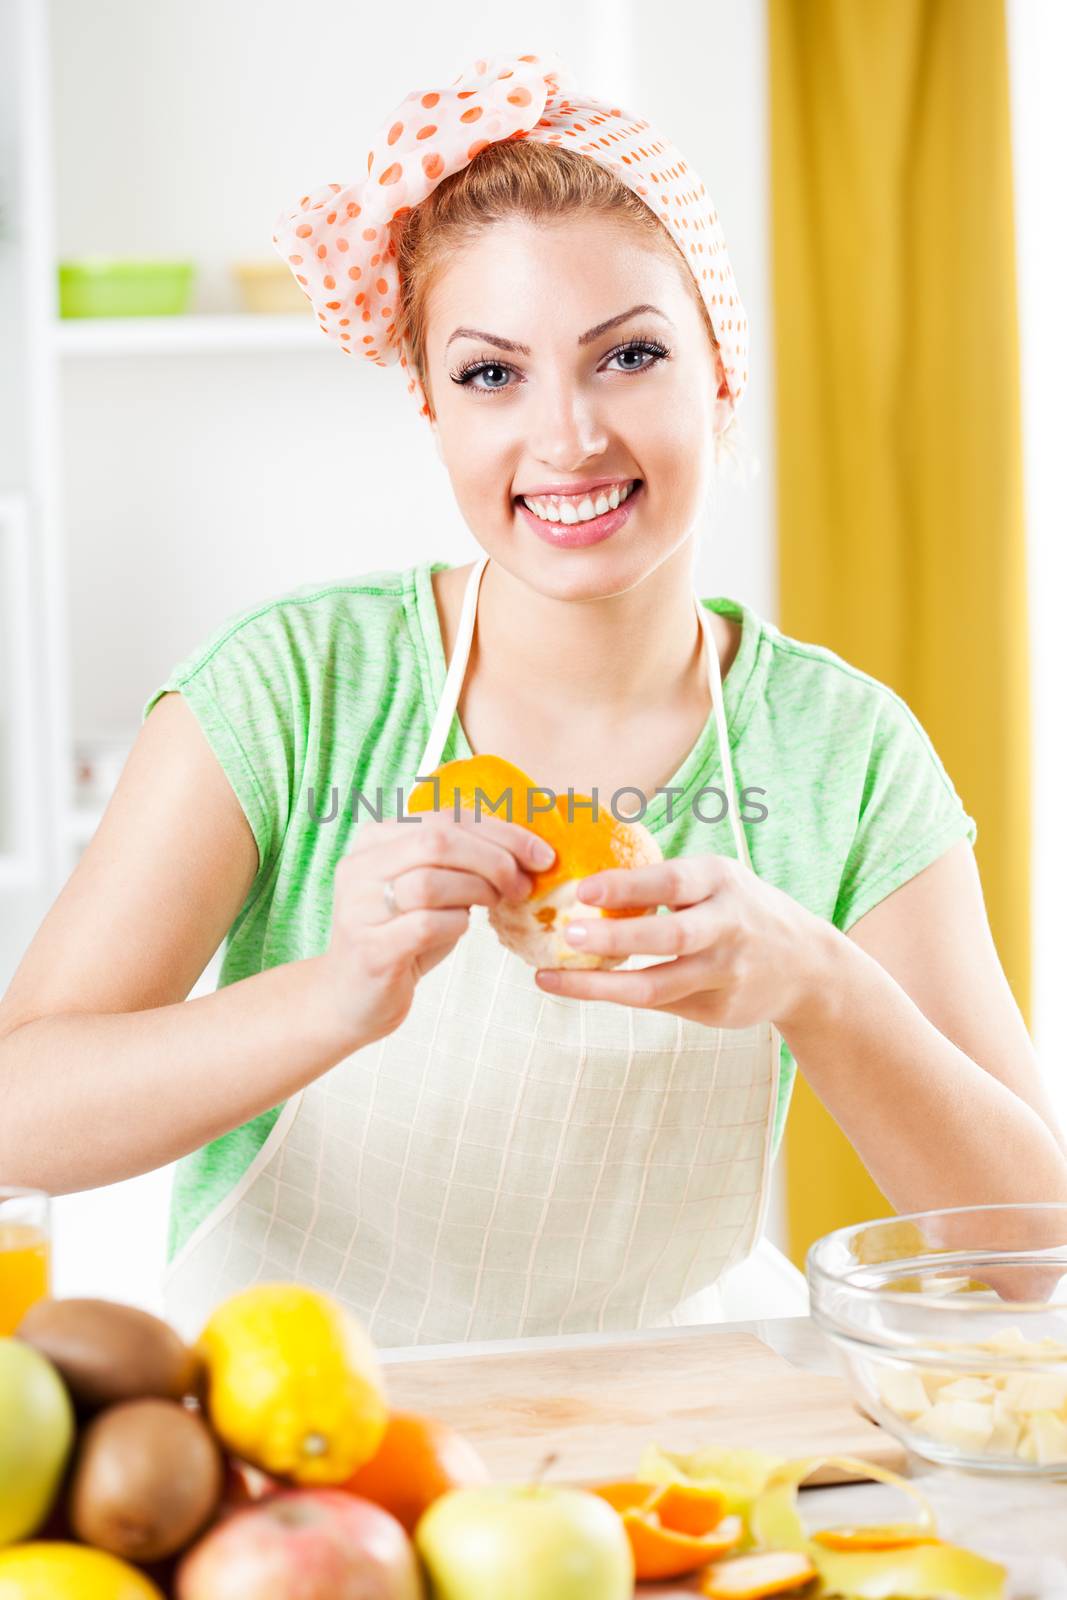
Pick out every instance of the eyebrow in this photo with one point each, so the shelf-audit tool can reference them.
(584, 338)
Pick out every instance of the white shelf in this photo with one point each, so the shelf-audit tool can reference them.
(187, 334)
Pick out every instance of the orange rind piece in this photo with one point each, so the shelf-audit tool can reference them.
(627, 1495)
(890, 1536)
(690, 1508)
(753, 1577)
(673, 1529)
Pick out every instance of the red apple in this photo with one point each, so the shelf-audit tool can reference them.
(303, 1544)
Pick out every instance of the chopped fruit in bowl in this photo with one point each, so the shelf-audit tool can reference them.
(534, 928)
(952, 1326)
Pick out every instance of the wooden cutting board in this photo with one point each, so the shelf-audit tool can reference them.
(598, 1406)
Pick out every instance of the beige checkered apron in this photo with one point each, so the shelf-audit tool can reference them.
(508, 1163)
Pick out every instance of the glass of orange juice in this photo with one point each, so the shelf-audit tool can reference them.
(24, 1253)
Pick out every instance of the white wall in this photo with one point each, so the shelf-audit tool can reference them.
(195, 484)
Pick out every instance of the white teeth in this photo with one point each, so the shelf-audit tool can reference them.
(558, 508)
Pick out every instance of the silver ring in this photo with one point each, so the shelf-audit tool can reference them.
(389, 895)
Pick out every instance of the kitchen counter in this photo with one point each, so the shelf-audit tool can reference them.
(1018, 1522)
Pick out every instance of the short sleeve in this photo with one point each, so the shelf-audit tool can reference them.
(909, 815)
(240, 689)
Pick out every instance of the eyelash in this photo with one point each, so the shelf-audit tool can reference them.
(471, 370)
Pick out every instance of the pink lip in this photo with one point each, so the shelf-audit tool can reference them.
(583, 486)
(571, 536)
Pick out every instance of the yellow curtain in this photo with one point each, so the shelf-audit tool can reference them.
(900, 513)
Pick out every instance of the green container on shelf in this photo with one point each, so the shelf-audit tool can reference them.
(124, 286)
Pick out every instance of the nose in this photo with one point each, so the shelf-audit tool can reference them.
(566, 430)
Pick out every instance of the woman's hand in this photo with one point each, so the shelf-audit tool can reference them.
(439, 867)
(744, 952)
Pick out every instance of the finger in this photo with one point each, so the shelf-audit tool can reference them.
(680, 882)
(523, 843)
(417, 933)
(673, 933)
(423, 888)
(651, 988)
(519, 845)
(439, 841)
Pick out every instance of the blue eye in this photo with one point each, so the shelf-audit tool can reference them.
(495, 371)
(657, 351)
(485, 369)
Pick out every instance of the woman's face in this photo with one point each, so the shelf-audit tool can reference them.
(601, 396)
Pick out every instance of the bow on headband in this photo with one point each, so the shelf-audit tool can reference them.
(336, 240)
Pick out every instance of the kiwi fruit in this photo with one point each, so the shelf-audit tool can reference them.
(107, 1352)
(147, 1478)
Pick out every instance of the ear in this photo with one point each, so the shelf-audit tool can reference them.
(437, 440)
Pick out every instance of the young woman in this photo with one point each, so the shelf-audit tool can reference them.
(380, 1099)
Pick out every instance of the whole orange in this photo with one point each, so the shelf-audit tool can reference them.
(418, 1460)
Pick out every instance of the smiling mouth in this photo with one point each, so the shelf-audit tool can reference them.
(571, 509)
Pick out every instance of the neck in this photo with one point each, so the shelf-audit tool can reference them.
(611, 655)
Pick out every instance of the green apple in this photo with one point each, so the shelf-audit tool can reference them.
(525, 1541)
(36, 1435)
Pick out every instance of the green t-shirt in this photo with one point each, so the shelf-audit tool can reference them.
(334, 685)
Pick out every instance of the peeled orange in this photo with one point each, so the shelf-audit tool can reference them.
(533, 928)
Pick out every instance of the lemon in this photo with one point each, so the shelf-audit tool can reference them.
(50, 1570)
(293, 1383)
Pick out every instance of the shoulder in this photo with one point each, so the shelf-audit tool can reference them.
(812, 692)
(861, 715)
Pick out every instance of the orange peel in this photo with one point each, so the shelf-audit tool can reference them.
(673, 1529)
(889, 1536)
(752, 1577)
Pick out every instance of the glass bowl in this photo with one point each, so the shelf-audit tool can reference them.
(952, 1326)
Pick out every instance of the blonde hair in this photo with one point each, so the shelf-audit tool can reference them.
(520, 177)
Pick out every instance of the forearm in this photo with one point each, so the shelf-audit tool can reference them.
(88, 1099)
(932, 1127)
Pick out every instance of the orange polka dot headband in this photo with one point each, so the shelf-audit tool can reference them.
(336, 240)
